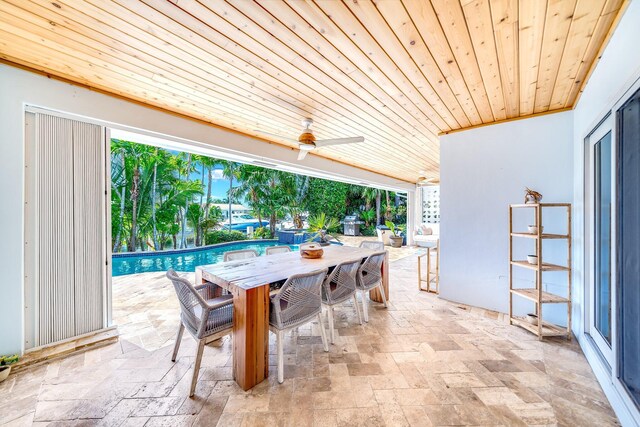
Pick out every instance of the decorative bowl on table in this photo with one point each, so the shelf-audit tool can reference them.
(533, 229)
(311, 251)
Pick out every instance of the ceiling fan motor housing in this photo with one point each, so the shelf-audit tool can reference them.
(307, 137)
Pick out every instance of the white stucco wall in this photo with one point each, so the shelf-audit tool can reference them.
(483, 170)
(19, 88)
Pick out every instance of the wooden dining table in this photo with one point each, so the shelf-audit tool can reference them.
(249, 281)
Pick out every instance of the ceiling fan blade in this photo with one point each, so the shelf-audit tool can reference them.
(302, 154)
(336, 141)
(275, 135)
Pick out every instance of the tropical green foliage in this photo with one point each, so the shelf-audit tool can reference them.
(162, 199)
(222, 236)
(320, 225)
(262, 233)
(9, 360)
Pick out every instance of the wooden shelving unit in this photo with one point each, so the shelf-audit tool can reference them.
(433, 272)
(537, 295)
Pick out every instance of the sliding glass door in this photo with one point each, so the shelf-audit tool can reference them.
(599, 233)
(628, 246)
(602, 232)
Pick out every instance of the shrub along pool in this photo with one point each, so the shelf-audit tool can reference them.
(182, 259)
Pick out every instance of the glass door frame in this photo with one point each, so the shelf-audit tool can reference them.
(607, 350)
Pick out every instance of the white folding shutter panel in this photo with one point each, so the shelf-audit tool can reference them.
(54, 139)
(69, 224)
(88, 212)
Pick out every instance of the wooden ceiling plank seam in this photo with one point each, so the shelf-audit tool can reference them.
(404, 29)
(77, 62)
(349, 49)
(457, 42)
(531, 22)
(219, 20)
(397, 137)
(299, 45)
(505, 28)
(479, 23)
(420, 54)
(387, 88)
(343, 18)
(557, 23)
(582, 26)
(369, 22)
(612, 13)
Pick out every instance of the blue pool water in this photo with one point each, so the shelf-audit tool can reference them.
(182, 260)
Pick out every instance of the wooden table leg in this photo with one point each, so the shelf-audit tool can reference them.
(250, 336)
(374, 294)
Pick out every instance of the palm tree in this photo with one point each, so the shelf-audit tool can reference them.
(369, 194)
(253, 181)
(231, 171)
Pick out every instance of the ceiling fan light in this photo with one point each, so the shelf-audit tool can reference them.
(306, 147)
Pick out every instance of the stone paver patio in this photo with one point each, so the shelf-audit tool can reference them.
(423, 361)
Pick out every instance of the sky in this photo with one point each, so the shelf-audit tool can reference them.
(220, 184)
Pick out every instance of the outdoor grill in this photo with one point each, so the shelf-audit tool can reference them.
(351, 225)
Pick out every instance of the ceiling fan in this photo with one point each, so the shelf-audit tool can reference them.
(308, 142)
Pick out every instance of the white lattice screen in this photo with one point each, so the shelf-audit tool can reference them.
(431, 204)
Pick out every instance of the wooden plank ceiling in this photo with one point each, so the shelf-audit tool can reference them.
(396, 72)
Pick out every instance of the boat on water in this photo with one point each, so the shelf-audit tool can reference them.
(241, 221)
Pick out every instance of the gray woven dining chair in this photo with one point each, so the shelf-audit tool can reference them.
(338, 287)
(241, 254)
(297, 303)
(271, 250)
(370, 277)
(205, 320)
(372, 244)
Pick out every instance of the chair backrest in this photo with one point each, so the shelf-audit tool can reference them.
(370, 272)
(341, 283)
(241, 254)
(191, 302)
(299, 299)
(372, 244)
(277, 250)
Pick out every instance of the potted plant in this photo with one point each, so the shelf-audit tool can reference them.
(396, 236)
(319, 225)
(5, 365)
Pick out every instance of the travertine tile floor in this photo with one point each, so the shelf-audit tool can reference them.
(421, 362)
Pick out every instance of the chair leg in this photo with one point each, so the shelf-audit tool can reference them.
(280, 344)
(384, 296)
(323, 333)
(330, 318)
(365, 306)
(176, 346)
(196, 368)
(355, 304)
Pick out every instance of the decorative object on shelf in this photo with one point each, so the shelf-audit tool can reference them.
(311, 251)
(531, 196)
(5, 365)
(533, 229)
(395, 239)
(534, 322)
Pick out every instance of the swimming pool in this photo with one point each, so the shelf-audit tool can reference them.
(183, 259)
